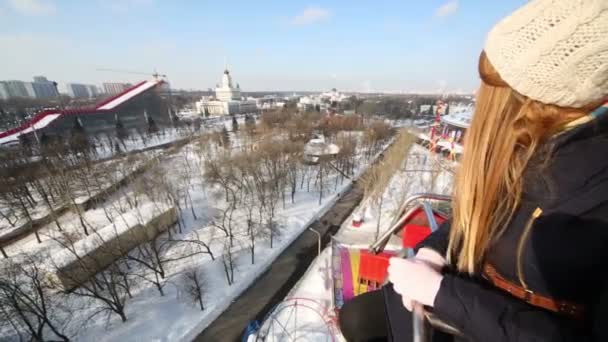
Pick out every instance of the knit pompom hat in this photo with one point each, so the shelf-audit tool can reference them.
(554, 51)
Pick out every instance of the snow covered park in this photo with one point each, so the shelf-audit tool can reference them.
(240, 198)
(308, 311)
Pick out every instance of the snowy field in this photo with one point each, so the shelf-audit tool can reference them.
(308, 310)
(136, 141)
(15, 215)
(222, 245)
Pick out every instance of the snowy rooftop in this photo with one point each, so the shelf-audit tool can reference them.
(318, 147)
(461, 119)
(41, 123)
(129, 94)
(89, 244)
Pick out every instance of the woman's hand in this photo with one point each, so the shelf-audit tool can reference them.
(433, 259)
(430, 256)
(415, 280)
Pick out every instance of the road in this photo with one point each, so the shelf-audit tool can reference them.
(272, 287)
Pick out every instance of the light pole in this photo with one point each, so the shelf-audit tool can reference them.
(318, 239)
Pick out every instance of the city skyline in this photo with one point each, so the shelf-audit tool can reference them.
(398, 46)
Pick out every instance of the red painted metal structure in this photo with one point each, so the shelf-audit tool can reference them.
(102, 107)
(416, 228)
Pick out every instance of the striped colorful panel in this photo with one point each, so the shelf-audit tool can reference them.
(355, 257)
(363, 288)
(354, 266)
(347, 277)
(337, 276)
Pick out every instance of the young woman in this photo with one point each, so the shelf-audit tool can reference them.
(525, 255)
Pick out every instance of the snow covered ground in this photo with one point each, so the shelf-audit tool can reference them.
(174, 316)
(112, 172)
(138, 141)
(315, 320)
(105, 148)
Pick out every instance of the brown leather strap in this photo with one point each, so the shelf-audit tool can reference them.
(563, 307)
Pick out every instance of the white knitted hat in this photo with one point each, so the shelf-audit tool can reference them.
(554, 51)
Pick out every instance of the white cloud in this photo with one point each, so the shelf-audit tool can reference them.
(447, 9)
(311, 15)
(32, 7)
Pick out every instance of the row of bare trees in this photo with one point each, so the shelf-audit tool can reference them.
(251, 173)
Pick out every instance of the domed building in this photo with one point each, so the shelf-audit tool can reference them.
(227, 100)
(227, 92)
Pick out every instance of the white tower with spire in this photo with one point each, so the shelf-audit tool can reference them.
(227, 99)
(227, 91)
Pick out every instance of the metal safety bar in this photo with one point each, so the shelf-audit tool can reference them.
(420, 329)
(422, 320)
(381, 242)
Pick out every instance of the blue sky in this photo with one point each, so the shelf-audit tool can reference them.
(396, 45)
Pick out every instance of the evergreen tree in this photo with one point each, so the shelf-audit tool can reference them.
(79, 140)
(121, 132)
(117, 148)
(25, 141)
(235, 124)
(197, 124)
(225, 137)
(44, 139)
(152, 127)
(249, 122)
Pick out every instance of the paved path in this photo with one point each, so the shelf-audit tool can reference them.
(272, 287)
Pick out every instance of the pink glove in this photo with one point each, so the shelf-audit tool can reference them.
(414, 280)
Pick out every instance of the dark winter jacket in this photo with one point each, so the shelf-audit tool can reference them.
(563, 254)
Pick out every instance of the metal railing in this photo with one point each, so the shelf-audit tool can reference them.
(420, 328)
(379, 244)
(422, 320)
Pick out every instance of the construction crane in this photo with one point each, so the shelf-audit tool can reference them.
(154, 74)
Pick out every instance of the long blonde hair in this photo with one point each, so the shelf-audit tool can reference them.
(506, 130)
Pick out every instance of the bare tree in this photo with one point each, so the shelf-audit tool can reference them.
(30, 303)
(246, 168)
(294, 156)
(150, 256)
(186, 177)
(196, 241)
(195, 284)
(108, 288)
(221, 171)
(271, 182)
(228, 263)
(377, 178)
(64, 180)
